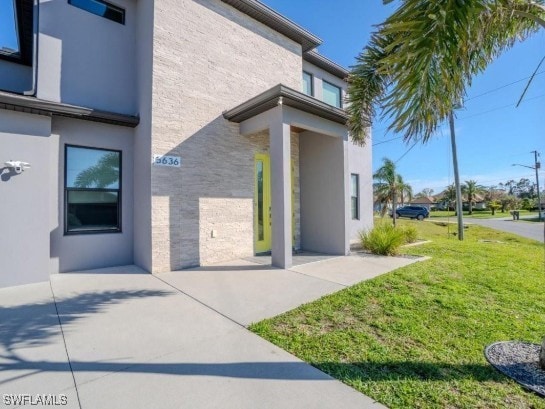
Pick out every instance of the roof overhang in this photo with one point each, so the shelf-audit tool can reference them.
(326, 64)
(282, 95)
(277, 22)
(32, 105)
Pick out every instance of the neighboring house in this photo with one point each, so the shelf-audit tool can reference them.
(426, 202)
(441, 202)
(479, 202)
(170, 134)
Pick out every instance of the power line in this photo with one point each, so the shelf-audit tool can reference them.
(387, 141)
(408, 150)
(503, 86)
(475, 97)
(469, 116)
(499, 108)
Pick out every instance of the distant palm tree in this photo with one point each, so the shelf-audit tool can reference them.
(448, 196)
(470, 188)
(404, 189)
(389, 186)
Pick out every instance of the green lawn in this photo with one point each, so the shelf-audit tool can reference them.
(480, 214)
(415, 337)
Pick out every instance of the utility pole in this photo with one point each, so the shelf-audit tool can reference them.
(394, 204)
(459, 205)
(536, 167)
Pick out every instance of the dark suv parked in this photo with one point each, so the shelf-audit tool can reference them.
(414, 212)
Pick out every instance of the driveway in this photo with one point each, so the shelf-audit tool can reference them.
(531, 230)
(121, 338)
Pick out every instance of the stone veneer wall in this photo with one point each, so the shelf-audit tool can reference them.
(233, 219)
(208, 57)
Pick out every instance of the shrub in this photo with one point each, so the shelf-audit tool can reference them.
(383, 239)
(410, 233)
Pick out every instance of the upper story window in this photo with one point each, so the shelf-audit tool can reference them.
(307, 84)
(16, 30)
(101, 8)
(9, 34)
(332, 94)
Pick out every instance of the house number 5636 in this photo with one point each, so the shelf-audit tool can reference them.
(173, 161)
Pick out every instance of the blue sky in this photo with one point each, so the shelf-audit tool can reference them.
(491, 133)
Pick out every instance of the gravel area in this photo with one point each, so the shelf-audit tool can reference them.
(519, 361)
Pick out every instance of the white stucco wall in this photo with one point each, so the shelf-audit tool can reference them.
(360, 163)
(142, 139)
(24, 199)
(89, 251)
(86, 59)
(323, 193)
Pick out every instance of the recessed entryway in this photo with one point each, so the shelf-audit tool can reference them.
(263, 206)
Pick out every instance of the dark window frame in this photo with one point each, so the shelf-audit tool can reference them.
(311, 82)
(24, 24)
(119, 228)
(357, 197)
(340, 93)
(109, 5)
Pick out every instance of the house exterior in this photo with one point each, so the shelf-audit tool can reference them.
(442, 203)
(479, 202)
(170, 134)
(423, 201)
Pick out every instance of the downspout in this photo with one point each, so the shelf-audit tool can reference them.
(36, 28)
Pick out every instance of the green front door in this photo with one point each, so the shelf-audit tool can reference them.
(262, 203)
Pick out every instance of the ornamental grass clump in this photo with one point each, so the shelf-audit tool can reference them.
(384, 239)
(410, 233)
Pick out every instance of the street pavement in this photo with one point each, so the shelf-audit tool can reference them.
(531, 230)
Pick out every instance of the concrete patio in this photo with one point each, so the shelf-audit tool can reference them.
(177, 340)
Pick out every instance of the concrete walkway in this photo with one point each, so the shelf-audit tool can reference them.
(177, 340)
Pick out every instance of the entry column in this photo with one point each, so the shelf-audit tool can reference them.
(280, 140)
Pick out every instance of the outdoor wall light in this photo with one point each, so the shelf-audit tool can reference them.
(17, 166)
